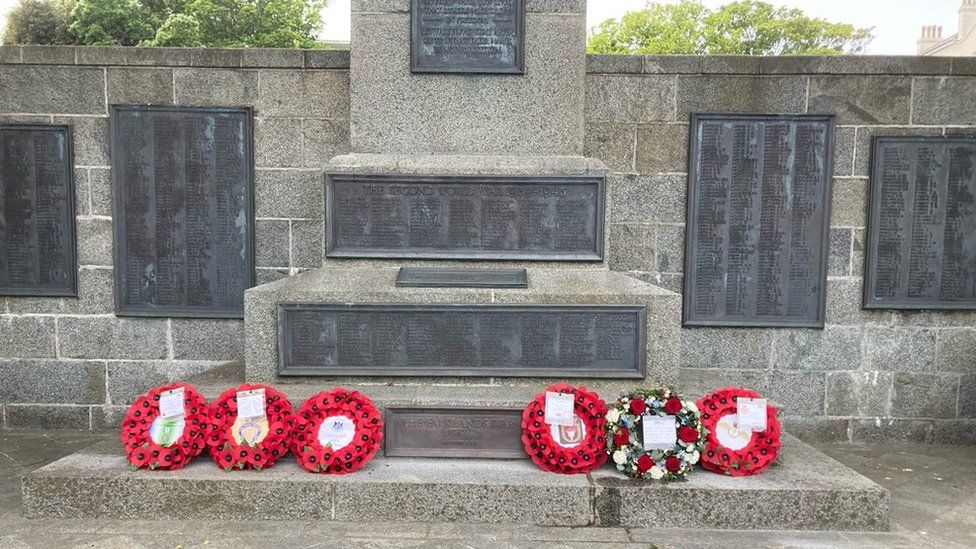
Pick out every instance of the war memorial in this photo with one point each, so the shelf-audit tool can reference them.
(458, 221)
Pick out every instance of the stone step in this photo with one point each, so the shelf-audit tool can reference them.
(806, 491)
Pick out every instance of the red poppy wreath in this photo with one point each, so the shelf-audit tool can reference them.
(738, 444)
(166, 427)
(250, 427)
(337, 432)
(571, 442)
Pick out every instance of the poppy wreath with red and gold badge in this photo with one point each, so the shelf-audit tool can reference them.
(566, 449)
(252, 442)
(337, 432)
(729, 449)
(155, 442)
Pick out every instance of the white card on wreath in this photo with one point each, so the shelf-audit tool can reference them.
(171, 403)
(751, 413)
(250, 403)
(660, 432)
(560, 409)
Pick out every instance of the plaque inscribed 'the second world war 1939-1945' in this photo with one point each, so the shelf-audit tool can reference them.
(758, 220)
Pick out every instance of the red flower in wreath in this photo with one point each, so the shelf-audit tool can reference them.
(638, 406)
(250, 442)
(622, 437)
(337, 432)
(567, 449)
(644, 463)
(153, 442)
(687, 434)
(672, 405)
(673, 464)
(730, 450)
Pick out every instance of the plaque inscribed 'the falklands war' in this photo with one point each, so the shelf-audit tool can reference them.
(37, 212)
(467, 36)
(183, 210)
(921, 251)
(758, 219)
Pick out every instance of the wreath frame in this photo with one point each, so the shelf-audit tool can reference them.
(587, 455)
(358, 408)
(225, 451)
(626, 449)
(143, 452)
(754, 458)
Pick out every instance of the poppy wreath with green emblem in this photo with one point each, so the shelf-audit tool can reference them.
(227, 453)
(744, 453)
(140, 448)
(625, 442)
(572, 449)
(337, 432)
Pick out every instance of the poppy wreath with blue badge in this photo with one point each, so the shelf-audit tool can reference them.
(157, 440)
(337, 432)
(253, 439)
(730, 448)
(571, 449)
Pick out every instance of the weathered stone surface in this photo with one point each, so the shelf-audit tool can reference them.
(890, 430)
(128, 380)
(639, 199)
(613, 144)
(726, 349)
(944, 100)
(614, 64)
(935, 319)
(94, 297)
(956, 351)
(662, 148)
(278, 142)
(669, 281)
(48, 55)
(859, 394)
(900, 349)
(324, 140)
(953, 432)
(862, 99)
(796, 393)
(845, 140)
(854, 64)
(289, 194)
(163, 57)
(849, 207)
(858, 246)
(216, 87)
(839, 260)
(207, 339)
(740, 94)
(862, 162)
(924, 395)
(326, 59)
(52, 382)
(121, 338)
(556, 6)
(107, 418)
(215, 57)
(816, 429)
(307, 248)
(630, 99)
(967, 396)
(266, 276)
(63, 90)
(299, 94)
(27, 337)
(100, 191)
(670, 248)
(10, 54)
(271, 242)
(273, 57)
(632, 247)
(48, 417)
(147, 86)
(90, 137)
(844, 299)
(94, 241)
(833, 348)
(101, 55)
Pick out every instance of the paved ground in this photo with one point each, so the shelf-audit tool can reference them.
(933, 492)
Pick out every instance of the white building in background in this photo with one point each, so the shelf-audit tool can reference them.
(963, 43)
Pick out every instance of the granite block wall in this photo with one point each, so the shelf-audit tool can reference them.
(69, 362)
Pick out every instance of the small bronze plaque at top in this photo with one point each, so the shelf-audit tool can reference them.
(454, 433)
(467, 36)
(434, 277)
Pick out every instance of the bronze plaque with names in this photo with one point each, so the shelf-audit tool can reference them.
(921, 251)
(758, 220)
(454, 432)
(431, 340)
(37, 211)
(489, 217)
(467, 36)
(183, 210)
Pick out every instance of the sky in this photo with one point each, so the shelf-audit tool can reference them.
(897, 23)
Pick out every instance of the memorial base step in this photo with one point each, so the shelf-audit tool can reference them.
(806, 491)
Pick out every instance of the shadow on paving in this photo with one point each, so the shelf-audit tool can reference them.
(933, 499)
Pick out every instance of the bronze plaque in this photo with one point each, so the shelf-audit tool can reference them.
(758, 220)
(454, 432)
(183, 210)
(467, 36)
(37, 211)
(921, 251)
(582, 341)
(445, 277)
(557, 218)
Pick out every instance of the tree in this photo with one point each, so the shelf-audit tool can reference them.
(39, 22)
(113, 22)
(746, 27)
(258, 23)
(179, 30)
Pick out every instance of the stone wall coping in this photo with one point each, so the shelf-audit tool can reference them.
(269, 58)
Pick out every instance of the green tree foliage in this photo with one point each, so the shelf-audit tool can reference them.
(39, 22)
(746, 27)
(190, 23)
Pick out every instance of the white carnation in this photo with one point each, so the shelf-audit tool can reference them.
(656, 473)
(613, 416)
(694, 458)
(691, 407)
(619, 457)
